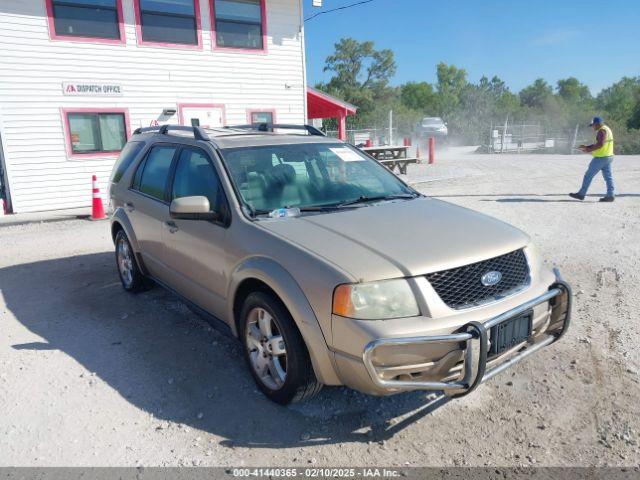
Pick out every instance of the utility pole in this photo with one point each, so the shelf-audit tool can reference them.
(390, 127)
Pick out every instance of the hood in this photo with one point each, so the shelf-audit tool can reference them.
(400, 238)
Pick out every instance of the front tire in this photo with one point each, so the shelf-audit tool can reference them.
(130, 275)
(275, 351)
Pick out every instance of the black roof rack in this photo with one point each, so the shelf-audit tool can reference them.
(268, 127)
(198, 132)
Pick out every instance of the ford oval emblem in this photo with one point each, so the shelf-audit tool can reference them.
(491, 278)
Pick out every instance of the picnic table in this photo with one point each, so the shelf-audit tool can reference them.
(391, 157)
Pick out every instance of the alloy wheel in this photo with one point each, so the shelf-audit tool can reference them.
(125, 261)
(267, 349)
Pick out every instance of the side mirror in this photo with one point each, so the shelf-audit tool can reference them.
(192, 208)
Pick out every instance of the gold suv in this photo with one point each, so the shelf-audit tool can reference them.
(328, 268)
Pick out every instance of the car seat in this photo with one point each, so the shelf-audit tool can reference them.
(282, 186)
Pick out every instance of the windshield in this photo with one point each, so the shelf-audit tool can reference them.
(308, 175)
(431, 121)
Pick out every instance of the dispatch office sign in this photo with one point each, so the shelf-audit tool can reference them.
(92, 89)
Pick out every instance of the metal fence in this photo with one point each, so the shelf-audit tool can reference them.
(523, 138)
(377, 136)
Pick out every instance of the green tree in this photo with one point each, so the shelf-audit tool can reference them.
(634, 120)
(573, 105)
(360, 65)
(496, 86)
(572, 91)
(451, 83)
(418, 96)
(537, 94)
(619, 100)
(502, 99)
(361, 74)
(479, 105)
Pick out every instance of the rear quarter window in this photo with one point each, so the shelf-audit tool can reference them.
(127, 156)
(155, 171)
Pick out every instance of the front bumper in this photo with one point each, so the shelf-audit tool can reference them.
(476, 367)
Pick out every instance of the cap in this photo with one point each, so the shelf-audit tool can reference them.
(596, 120)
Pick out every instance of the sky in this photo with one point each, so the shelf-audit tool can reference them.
(519, 40)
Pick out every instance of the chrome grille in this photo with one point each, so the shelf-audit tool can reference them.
(462, 287)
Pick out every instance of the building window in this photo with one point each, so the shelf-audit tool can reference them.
(239, 23)
(86, 19)
(261, 117)
(169, 21)
(96, 132)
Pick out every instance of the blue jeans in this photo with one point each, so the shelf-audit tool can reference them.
(598, 164)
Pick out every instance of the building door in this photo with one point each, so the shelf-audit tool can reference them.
(201, 115)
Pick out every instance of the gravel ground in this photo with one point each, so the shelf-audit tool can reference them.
(90, 375)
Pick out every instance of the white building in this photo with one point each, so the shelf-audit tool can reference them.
(78, 76)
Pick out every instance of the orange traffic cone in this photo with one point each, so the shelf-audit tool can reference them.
(97, 211)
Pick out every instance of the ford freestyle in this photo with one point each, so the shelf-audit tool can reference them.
(328, 268)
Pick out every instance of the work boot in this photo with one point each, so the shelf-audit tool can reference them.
(577, 196)
(608, 199)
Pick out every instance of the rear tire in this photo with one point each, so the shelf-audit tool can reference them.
(274, 350)
(130, 275)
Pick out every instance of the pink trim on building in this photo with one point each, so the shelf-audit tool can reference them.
(72, 38)
(144, 43)
(182, 106)
(67, 130)
(214, 36)
(251, 111)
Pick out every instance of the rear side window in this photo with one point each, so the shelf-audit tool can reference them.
(128, 155)
(156, 171)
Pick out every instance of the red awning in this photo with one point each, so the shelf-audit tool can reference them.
(323, 105)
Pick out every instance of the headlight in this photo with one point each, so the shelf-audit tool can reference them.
(375, 301)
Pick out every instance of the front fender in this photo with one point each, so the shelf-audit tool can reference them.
(285, 286)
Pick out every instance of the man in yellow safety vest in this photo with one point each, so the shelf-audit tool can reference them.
(602, 152)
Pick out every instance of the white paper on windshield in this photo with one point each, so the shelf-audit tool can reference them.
(347, 155)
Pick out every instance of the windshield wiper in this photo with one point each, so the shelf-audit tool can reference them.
(312, 208)
(317, 208)
(333, 206)
(366, 199)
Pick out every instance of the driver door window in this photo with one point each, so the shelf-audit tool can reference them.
(195, 176)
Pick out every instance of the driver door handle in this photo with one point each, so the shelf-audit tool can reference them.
(173, 228)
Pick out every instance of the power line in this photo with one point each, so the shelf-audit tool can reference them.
(336, 9)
